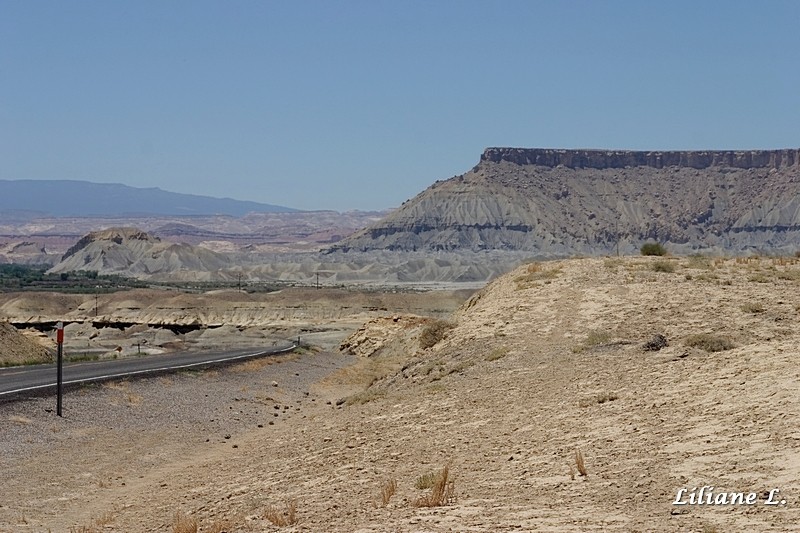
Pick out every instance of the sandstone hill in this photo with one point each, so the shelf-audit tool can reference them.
(16, 348)
(132, 252)
(566, 202)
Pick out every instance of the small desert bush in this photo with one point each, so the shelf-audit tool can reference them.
(442, 492)
(709, 342)
(282, 517)
(653, 248)
(434, 332)
(759, 277)
(365, 396)
(663, 266)
(753, 307)
(598, 399)
(460, 367)
(593, 339)
(184, 524)
(789, 275)
(497, 353)
(700, 262)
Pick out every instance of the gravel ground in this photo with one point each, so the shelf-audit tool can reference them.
(129, 426)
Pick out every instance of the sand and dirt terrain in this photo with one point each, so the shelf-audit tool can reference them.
(546, 363)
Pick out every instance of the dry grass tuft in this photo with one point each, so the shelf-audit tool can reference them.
(134, 399)
(282, 517)
(442, 492)
(365, 396)
(20, 420)
(387, 491)
(710, 342)
(218, 527)
(253, 365)
(98, 525)
(425, 481)
(759, 277)
(580, 464)
(789, 275)
(184, 524)
(535, 273)
(699, 261)
(123, 386)
(104, 520)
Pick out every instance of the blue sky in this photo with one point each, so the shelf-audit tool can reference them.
(363, 104)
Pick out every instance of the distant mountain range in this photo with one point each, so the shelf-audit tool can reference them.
(35, 198)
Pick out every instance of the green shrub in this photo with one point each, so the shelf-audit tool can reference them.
(710, 342)
(497, 353)
(434, 332)
(653, 248)
(753, 307)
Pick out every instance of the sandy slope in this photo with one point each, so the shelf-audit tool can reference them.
(506, 400)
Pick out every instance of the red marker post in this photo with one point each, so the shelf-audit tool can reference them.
(60, 379)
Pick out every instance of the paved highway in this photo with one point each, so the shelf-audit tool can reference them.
(21, 379)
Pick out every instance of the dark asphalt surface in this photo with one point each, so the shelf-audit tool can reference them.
(40, 378)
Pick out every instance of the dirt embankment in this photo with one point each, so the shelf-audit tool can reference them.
(16, 348)
(547, 363)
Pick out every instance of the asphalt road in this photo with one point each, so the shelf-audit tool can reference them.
(22, 379)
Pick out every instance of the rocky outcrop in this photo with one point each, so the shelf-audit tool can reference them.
(556, 203)
(115, 235)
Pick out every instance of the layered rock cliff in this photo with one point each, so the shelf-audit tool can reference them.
(603, 159)
(565, 202)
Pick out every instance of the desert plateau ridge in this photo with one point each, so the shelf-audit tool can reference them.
(561, 203)
(515, 204)
(658, 373)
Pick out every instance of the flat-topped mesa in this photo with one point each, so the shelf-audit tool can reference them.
(600, 159)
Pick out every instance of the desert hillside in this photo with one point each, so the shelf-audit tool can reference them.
(557, 203)
(16, 348)
(661, 374)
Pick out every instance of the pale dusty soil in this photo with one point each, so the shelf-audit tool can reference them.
(505, 399)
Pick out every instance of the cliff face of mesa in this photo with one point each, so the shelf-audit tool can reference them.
(605, 159)
(564, 202)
